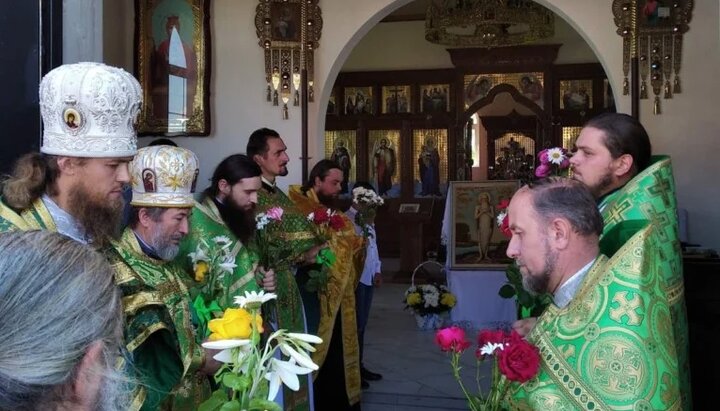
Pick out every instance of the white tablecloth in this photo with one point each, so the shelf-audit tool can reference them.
(478, 303)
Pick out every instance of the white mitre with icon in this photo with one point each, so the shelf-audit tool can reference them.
(164, 176)
(89, 110)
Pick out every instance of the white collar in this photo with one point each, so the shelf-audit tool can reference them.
(66, 224)
(266, 181)
(565, 293)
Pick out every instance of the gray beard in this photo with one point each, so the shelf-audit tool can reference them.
(538, 284)
(162, 245)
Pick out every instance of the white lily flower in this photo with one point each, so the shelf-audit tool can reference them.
(225, 344)
(221, 239)
(228, 266)
(251, 297)
(285, 372)
(306, 337)
(302, 358)
(198, 255)
(226, 356)
(489, 348)
(501, 218)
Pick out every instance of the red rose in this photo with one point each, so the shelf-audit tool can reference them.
(505, 227)
(519, 360)
(504, 203)
(320, 215)
(452, 339)
(337, 222)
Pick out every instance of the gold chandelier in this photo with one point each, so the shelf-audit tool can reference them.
(487, 23)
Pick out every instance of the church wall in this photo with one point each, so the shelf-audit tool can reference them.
(688, 130)
(402, 46)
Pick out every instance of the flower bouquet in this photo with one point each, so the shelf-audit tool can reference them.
(211, 262)
(515, 359)
(368, 202)
(428, 301)
(273, 248)
(553, 162)
(252, 373)
(325, 221)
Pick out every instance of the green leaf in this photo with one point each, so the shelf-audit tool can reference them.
(507, 291)
(525, 299)
(231, 406)
(258, 404)
(236, 382)
(216, 400)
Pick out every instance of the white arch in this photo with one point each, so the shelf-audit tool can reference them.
(592, 20)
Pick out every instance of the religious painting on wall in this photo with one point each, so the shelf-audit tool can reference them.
(530, 85)
(430, 165)
(171, 62)
(340, 147)
(396, 99)
(385, 165)
(608, 97)
(476, 241)
(576, 95)
(477, 87)
(332, 104)
(434, 98)
(358, 100)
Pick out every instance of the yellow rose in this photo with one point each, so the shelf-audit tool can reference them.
(235, 324)
(414, 299)
(201, 268)
(448, 300)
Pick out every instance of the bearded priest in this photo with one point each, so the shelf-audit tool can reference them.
(171, 366)
(74, 185)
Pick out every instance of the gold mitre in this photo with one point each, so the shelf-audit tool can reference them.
(164, 176)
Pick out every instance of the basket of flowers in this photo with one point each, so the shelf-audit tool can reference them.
(429, 302)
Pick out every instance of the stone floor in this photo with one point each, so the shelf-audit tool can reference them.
(417, 375)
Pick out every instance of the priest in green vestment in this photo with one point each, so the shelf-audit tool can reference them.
(606, 341)
(301, 244)
(170, 364)
(332, 312)
(74, 185)
(633, 188)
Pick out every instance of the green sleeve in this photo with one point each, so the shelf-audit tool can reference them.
(159, 367)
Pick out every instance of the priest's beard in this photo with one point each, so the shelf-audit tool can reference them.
(98, 216)
(240, 221)
(164, 244)
(537, 284)
(328, 201)
(599, 189)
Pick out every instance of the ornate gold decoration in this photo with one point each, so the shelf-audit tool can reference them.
(652, 30)
(289, 32)
(487, 23)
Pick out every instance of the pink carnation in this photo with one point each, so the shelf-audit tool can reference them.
(543, 170)
(275, 213)
(452, 339)
(543, 157)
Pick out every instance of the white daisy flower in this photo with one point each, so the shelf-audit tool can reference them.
(501, 218)
(555, 155)
(254, 297)
(489, 348)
